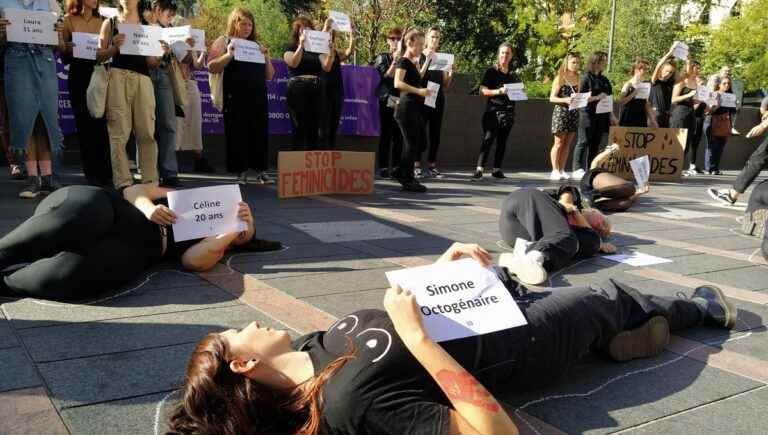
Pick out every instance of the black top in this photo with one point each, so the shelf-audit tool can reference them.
(661, 95)
(596, 85)
(688, 101)
(494, 79)
(435, 76)
(334, 82)
(245, 82)
(590, 194)
(413, 78)
(174, 249)
(386, 86)
(309, 65)
(633, 113)
(127, 61)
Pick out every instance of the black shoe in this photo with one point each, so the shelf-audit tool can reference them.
(202, 166)
(722, 196)
(171, 182)
(715, 307)
(413, 186)
(48, 184)
(32, 189)
(477, 176)
(498, 174)
(384, 173)
(648, 340)
(258, 245)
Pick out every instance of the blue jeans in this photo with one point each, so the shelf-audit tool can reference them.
(165, 123)
(715, 147)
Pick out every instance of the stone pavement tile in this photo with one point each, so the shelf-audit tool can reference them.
(621, 240)
(28, 313)
(311, 250)
(750, 278)
(271, 229)
(491, 228)
(592, 271)
(694, 264)
(29, 411)
(637, 226)
(729, 241)
(130, 416)
(420, 241)
(341, 304)
(7, 337)
(753, 345)
(738, 414)
(18, 371)
(294, 238)
(688, 234)
(344, 263)
(662, 386)
(330, 283)
(78, 340)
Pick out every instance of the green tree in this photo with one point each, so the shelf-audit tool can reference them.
(271, 24)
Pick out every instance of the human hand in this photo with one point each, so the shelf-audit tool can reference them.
(3, 24)
(612, 148)
(426, 92)
(602, 96)
(644, 189)
(404, 312)
(68, 46)
(164, 45)
(473, 250)
(302, 36)
(118, 40)
(190, 41)
(264, 51)
(758, 129)
(397, 55)
(607, 248)
(161, 215)
(328, 25)
(569, 208)
(231, 48)
(58, 26)
(614, 120)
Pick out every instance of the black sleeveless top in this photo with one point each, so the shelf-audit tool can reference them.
(309, 65)
(688, 101)
(126, 61)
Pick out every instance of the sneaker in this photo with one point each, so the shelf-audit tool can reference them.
(717, 310)
(263, 178)
(648, 340)
(698, 171)
(173, 182)
(528, 268)
(723, 196)
(203, 166)
(384, 173)
(689, 173)
(16, 172)
(578, 174)
(434, 173)
(555, 175)
(48, 184)
(717, 172)
(417, 173)
(478, 175)
(564, 175)
(414, 186)
(498, 174)
(735, 132)
(242, 179)
(31, 189)
(754, 223)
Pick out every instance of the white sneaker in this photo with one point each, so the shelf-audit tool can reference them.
(528, 268)
(555, 175)
(578, 175)
(417, 173)
(564, 175)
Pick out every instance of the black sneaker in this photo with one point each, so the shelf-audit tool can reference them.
(717, 310)
(498, 174)
(648, 340)
(414, 186)
(48, 184)
(721, 196)
(754, 222)
(384, 173)
(434, 173)
(32, 189)
(478, 175)
(203, 166)
(171, 182)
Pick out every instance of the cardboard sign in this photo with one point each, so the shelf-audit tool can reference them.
(205, 211)
(317, 42)
(605, 105)
(681, 50)
(441, 62)
(341, 21)
(309, 173)
(643, 91)
(33, 27)
(431, 100)
(663, 146)
(516, 91)
(580, 99)
(248, 51)
(459, 299)
(86, 45)
(141, 40)
(728, 100)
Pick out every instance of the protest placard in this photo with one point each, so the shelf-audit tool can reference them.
(459, 299)
(605, 105)
(441, 62)
(86, 45)
(141, 40)
(173, 34)
(248, 51)
(33, 27)
(431, 100)
(516, 91)
(703, 94)
(663, 146)
(641, 169)
(341, 21)
(308, 173)
(643, 91)
(205, 211)
(680, 50)
(580, 99)
(317, 42)
(199, 36)
(728, 100)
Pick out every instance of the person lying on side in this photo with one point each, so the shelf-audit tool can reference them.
(606, 191)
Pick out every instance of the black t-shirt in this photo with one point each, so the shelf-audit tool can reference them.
(494, 79)
(128, 61)
(661, 95)
(309, 65)
(386, 86)
(596, 84)
(413, 78)
(334, 83)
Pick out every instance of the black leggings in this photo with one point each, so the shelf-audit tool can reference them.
(81, 241)
(757, 161)
(693, 149)
(391, 139)
(612, 193)
(433, 120)
(408, 117)
(591, 130)
(92, 135)
(305, 98)
(493, 132)
(535, 216)
(334, 105)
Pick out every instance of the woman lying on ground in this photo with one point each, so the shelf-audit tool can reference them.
(378, 372)
(606, 191)
(549, 230)
(83, 240)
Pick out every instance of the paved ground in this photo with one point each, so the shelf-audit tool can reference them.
(113, 365)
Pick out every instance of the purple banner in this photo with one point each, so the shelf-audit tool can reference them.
(66, 116)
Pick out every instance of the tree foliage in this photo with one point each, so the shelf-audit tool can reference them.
(271, 24)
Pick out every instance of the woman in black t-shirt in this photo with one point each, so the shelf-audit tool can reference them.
(390, 138)
(409, 80)
(333, 84)
(499, 111)
(375, 372)
(636, 112)
(305, 95)
(662, 82)
(716, 135)
(685, 104)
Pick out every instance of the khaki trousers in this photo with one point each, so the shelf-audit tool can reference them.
(131, 107)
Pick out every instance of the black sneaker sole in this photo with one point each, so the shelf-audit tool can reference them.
(648, 340)
(754, 223)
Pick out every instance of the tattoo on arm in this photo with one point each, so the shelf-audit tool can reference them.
(462, 386)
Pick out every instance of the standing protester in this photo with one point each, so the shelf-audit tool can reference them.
(433, 117)
(409, 80)
(386, 64)
(565, 121)
(499, 113)
(663, 82)
(717, 128)
(737, 87)
(92, 136)
(592, 125)
(636, 112)
(16, 170)
(245, 98)
(684, 104)
(699, 113)
(130, 103)
(32, 94)
(756, 163)
(305, 96)
(333, 84)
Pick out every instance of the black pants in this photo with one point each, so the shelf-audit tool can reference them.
(590, 135)
(334, 106)
(92, 135)
(82, 240)
(306, 102)
(408, 117)
(692, 150)
(493, 132)
(535, 216)
(662, 119)
(433, 120)
(757, 200)
(391, 139)
(246, 133)
(756, 163)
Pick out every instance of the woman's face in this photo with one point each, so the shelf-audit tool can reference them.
(667, 71)
(504, 55)
(725, 85)
(641, 70)
(255, 341)
(164, 16)
(244, 27)
(129, 5)
(90, 4)
(600, 65)
(433, 39)
(695, 69)
(393, 41)
(574, 63)
(416, 45)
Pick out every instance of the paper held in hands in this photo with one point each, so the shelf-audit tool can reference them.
(459, 299)
(643, 91)
(341, 21)
(441, 62)
(641, 168)
(248, 51)
(86, 45)
(516, 91)
(33, 27)
(141, 40)
(681, 50)
(579, 100)
(431, 100)
(728, 100)
(605, 105)
(205, 211)
(703, 94)
(317, 42)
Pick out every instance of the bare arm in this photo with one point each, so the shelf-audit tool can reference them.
(660, 64)
(142, 197)
(107, 51)
(326, 60)
(677, 97)
(221, 55)
(487, 92)
(651, 114)
(293, 58)
(270, 71)
(402, 86)
(204, 254)
(425, 67)
(627, 96)
(603, 156)
(553, 98)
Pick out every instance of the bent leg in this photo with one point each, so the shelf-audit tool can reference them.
(611, 186)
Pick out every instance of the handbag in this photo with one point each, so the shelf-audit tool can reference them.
(96, 94)
(721, 125)
(178, 83)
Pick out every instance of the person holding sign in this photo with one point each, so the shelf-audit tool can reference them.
(130, 105)
(663, 81)
(717, 128)
(305, 94)
(636, 110)
(592, 125)
(246, 112)
(606, 191)
(565, 121)
(333, 83)
(390, 137)
(379, 372)
(32, 91)
(499, 113)
(83, 18)
(684, 105)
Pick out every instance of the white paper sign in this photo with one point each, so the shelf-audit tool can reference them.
(728, 100)
(34, 27)
(605, 105)
(317, 42)
(199, 36)
(579, 100)
(643, 91)
(459, 299)
(173, 34)
(516, 91)
(431, 100)
(86, 45)
(341, 21)
(205, 211)
(641, 168)
(637, 259)
(180, 49)
(248, 51)
(141, 40)
(703, 94)
(441, 62)
(681, 50)
(108, 12)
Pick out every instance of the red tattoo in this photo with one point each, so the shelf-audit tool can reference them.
(465, 388)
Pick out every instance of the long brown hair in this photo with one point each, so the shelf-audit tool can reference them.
(639, 61)
(75, 7)
(237, 15)
(595, 59)
(297, 24)
(216, 400)
(563, 70)
(511, 59)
